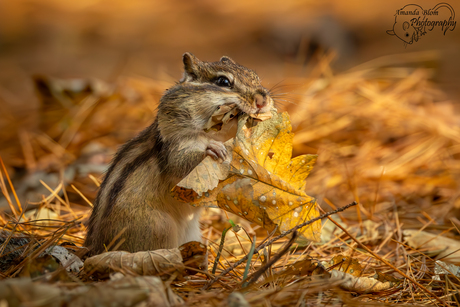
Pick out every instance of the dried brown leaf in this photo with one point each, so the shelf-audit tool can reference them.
(445, 248)
(360, 284)
(162, 262)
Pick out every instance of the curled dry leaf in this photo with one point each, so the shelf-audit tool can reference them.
(195, 255)
(221, 117)
(361, 284)
(353, 267)
(446, 249)
(162, 262)
(264, 185)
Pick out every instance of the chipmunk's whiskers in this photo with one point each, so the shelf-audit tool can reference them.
(283, 102)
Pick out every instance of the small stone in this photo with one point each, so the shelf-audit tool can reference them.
(235, 202)
(290, 203)
(263, 198)
(274, 202)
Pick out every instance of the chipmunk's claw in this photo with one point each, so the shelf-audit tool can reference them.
(216, 150)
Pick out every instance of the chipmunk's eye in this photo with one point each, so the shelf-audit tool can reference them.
(223, 81)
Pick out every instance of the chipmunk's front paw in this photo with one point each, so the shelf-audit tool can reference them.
(216, 150)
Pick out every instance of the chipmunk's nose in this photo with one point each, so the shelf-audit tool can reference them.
(260, 100)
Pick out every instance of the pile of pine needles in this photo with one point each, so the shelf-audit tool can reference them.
(386, 135)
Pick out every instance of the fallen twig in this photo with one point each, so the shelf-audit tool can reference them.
(273, 260)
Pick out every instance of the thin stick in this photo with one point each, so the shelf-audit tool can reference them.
(262, 246)
(388, 263)
(272, 261)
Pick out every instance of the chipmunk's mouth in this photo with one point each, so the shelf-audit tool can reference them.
(257, 111)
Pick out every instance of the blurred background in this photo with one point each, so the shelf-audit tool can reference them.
(79, 78)
(107, 39)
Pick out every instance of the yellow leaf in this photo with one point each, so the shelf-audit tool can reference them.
(207, 175)
(264, 185)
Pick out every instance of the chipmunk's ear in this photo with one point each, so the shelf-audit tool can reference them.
(190, 66)
(226, 59)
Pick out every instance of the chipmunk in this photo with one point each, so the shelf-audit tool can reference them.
(134, 200)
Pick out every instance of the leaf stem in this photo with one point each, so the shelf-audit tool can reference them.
(251, 253)
(221, 247)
